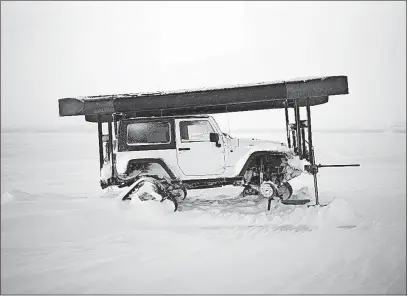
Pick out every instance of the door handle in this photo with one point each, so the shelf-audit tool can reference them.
(183, 149)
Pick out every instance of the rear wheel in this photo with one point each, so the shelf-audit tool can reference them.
(179, 192)
(173, 200)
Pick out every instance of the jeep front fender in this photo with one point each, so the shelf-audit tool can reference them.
(245, 161)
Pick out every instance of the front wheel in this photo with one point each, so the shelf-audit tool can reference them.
(284, 191)
(267, 189)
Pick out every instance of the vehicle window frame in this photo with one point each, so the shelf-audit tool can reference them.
(195, 141)
(148, 144)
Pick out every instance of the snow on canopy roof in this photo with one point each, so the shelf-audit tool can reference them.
(202, 89)
(264, 95)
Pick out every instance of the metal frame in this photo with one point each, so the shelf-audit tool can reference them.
(109, 153)
(302, 147)
(270, 95)
(299, 142)
(100, 145)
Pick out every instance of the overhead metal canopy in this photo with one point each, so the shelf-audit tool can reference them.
(272, 95)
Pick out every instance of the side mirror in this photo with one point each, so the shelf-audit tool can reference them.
(214, 137)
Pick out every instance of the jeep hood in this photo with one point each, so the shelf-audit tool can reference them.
(256, 142)
(252, 144)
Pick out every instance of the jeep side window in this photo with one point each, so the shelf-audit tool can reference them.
(147, 133)
(195, 131)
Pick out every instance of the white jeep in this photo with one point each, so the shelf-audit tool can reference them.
(192, 152)
(156, 144)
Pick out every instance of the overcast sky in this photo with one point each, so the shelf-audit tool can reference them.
(51, 50)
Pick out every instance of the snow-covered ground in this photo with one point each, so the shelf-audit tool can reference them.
(60, 233)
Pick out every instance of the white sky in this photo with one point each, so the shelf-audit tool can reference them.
(51, 50)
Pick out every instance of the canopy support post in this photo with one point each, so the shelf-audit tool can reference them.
(287, 123)
(100, 143)
(311, 151)
(303, 143)
(110, 145)
(297, 119)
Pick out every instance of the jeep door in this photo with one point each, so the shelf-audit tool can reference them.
(196, 155)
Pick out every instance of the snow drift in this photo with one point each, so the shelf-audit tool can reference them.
(62, 234)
